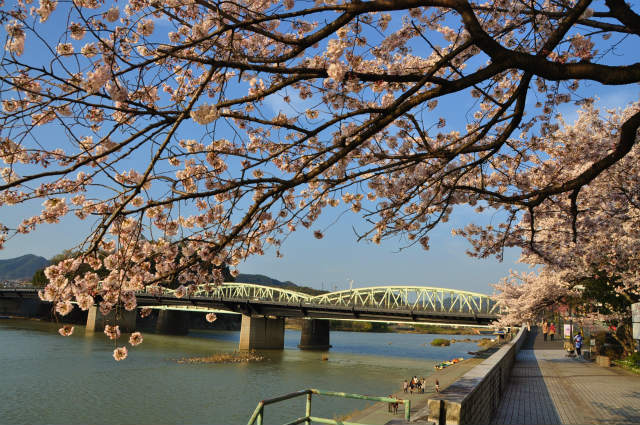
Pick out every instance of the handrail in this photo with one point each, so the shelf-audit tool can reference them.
(258, 413)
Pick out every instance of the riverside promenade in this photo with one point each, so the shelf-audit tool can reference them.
(546, 387)
(378, 413)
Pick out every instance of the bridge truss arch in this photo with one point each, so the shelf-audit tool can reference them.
(414, 302)
(414, 298)
(244, 292)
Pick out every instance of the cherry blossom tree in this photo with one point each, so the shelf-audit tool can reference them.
(526, 296)
(201, 132)
(589, 250)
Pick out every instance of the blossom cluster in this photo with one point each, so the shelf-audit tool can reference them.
(194, 136)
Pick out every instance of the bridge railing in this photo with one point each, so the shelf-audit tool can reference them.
(258, 414)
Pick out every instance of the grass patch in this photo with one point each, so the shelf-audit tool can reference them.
(631, 363)
(440, 342)
(486, 342)
(235, 357)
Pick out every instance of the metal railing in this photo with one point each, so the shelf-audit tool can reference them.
(258, 415)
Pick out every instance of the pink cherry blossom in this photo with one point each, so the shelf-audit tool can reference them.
(66, 330)
(120, 353)
(112, 331)
(135, 339)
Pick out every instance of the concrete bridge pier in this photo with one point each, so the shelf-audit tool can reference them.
(314, 335)
(124, 318)
(173, 322)
(261, 332)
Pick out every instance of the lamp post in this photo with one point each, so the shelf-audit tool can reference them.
(635, 321)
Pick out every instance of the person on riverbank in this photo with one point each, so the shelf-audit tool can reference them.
(405, 386)
(437, 386)
(552, 330)
(413, 385)
(545, 330)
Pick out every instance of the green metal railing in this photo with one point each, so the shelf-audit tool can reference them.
(258, 414)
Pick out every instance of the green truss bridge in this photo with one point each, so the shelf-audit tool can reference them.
(264, 308)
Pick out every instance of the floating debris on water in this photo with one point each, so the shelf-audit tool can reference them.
(448, 363)
(235, 357)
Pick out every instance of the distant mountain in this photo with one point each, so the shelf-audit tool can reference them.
(260, 279)
(21, 268)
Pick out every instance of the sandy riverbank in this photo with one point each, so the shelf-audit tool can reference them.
(378, 414)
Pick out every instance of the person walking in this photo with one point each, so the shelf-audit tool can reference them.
(545, 330)
(437, 386)
(552, 330)
(578, 342)
(405, 386)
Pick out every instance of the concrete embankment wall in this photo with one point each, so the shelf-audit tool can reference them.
(475, 396)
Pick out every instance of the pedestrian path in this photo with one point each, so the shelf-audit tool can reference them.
(547, 387)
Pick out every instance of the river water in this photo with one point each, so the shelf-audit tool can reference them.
(46, 378)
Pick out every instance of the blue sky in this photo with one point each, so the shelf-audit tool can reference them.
(338, 258)
(329, 262)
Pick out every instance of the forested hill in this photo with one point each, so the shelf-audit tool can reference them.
(21, 268)
(260, 279)
(24, 267)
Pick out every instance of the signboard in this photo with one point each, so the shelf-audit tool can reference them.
(567, 331)
(635, 318)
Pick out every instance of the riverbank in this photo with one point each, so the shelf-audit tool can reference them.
(382, 327)
(378, 413)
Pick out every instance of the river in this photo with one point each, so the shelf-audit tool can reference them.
(50, 379)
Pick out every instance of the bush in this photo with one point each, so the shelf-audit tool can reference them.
(631, 363)
(439, 342)
(634, 359)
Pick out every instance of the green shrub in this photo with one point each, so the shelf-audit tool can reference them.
(439, 342)
(634, 359)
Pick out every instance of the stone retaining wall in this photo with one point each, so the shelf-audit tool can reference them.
(474, 397)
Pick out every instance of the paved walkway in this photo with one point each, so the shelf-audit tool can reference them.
(546, 387)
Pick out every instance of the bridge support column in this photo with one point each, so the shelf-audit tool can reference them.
(314, 335)
(262, 333)
(173, 322)
(96, 320)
